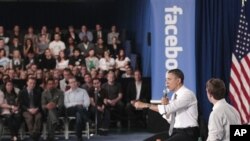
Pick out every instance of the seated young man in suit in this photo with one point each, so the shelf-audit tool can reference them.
(136, 90)
(30, 101)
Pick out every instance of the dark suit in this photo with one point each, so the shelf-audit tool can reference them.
(114, 52)
(33, 121)
(144, 94)
(67, 36)
(85, 51)
(103, 35)
(134, 114)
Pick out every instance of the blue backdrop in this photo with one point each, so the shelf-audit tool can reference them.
(173, 44)
(215, 27)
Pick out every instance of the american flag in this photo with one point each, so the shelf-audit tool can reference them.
(239, 89)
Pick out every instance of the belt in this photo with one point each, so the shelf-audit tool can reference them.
(185, 129)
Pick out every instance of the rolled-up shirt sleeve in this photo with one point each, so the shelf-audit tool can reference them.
(163, 112)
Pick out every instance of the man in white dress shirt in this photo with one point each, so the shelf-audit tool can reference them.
(223, 114)
(181, 112)
(76, 101)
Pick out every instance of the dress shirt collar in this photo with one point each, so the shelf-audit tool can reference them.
(180, 90)
(218, 103)
(74, 90)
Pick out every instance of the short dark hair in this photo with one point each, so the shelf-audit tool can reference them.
(178, 73)
(216, 87)
(50, 79)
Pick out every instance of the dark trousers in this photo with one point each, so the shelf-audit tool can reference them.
(103, 118)
(52, 122)
(81, 115)
(13, 122)
(117, 111)
(185, 134)
(136, 117)
(33, 123)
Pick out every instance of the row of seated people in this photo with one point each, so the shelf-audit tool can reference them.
(57, 44)
(81, 102)
(76, 34)
(48, 62)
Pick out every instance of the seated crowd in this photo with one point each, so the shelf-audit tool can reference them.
(45, 76)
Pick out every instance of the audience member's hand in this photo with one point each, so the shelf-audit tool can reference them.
(50, 105)
(112, 102)
(15, 108)
(132, 102)
(164, 101)
(33, 111)
(105, 101)
(99, 108)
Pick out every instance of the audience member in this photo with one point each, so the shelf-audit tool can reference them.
(77, 101)
(137, 90)
(114, 98)
(85, 46)
(10, 112)
(56, 45)
(84, 32)
(223, 114)
(52, 104)
(113, 33)
(92, 62)
(30, 102)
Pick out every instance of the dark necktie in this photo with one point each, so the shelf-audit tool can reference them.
(31, 99)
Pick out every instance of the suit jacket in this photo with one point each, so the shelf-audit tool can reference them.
(84, 50)
(55, 95)
(67, 35)
(145, 95)
(25, 99)
(95, 36)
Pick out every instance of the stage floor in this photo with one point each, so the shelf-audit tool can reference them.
(114, 135)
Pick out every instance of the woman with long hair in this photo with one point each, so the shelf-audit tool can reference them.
(9, 103)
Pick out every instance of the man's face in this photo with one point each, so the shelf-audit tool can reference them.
(72, 83)
(50, 85)
(31, 84)
(96, 83)
(66, 75)
(111, 77)
(137, 76)
(87, 78)
(57, 37)
(172, 82)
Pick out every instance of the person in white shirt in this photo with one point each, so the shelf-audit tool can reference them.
(62, 62)
(57, 45)
(223, 114)
(181, 112)
(77, 101)
(4, 61)
(106, 63)
(111, 34)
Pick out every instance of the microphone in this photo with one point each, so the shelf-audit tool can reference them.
(165, 92)
(96, 92)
